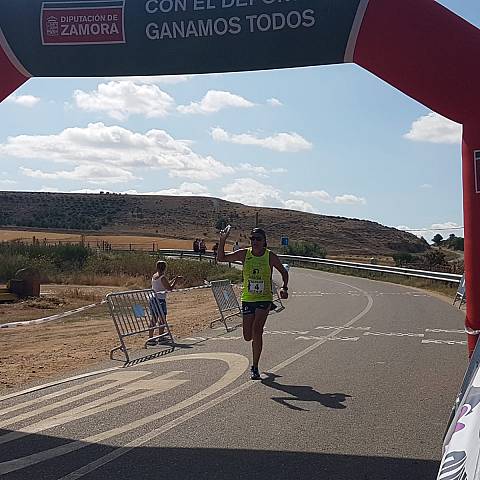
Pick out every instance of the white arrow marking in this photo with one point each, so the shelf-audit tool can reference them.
(123, 397)
(114, 380)
(237, 365)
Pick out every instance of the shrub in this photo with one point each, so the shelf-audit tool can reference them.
(82, 265)
(402, 259)
(306, 249)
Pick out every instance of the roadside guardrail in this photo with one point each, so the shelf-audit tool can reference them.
(297, 261)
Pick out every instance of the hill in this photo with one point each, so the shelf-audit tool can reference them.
(191, 217)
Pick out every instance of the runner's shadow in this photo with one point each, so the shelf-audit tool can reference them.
(304, 393)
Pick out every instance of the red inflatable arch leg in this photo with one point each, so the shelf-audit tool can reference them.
(471, 206)
(11, 76)
(414, 46)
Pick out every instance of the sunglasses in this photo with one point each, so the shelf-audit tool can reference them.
(258, 239)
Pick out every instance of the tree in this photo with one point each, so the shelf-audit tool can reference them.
(437, 239)
(457, 243)
(221, 223)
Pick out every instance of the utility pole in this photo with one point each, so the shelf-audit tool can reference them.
(256, 219)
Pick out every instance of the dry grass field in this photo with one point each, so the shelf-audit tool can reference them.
(93, 240)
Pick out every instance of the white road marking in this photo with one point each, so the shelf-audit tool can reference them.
(395, 334)
(284, 332)
(240, 337)
(356, 294)
(343, 339)
(113, 380)
(123, 397)
(58, 382)
(438, 330)
(444, 342)
(237, 365)
(328, 327)
(227, 338)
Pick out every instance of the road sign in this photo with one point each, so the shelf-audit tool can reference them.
(285, 241)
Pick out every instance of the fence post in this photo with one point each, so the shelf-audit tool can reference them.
(130, 247)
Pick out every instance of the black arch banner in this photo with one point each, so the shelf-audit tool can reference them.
(150, 37)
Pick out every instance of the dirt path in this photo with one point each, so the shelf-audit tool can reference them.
(40, 352)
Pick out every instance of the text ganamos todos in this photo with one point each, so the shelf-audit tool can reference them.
(232, 25)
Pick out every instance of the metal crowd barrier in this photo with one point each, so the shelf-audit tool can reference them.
(277, 301)
(135, 312)
(461, 293)
(227, 302)
(228, 305)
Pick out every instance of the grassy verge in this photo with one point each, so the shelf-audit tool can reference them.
(78, 265)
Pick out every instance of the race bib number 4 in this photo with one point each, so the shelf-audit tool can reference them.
(256, 286)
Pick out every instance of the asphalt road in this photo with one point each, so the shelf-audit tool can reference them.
(358, 381)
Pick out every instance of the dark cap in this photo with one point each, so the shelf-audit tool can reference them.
(259, 231)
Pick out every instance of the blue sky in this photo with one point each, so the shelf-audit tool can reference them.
(331, 140)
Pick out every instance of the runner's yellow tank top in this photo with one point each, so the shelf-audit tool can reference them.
(257, 277)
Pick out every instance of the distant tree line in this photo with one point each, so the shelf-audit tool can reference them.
(452, 242)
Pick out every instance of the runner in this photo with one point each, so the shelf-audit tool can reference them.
(258, 262)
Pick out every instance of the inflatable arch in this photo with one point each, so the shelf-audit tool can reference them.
(418, 46)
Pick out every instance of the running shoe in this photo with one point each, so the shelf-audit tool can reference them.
(254, 373)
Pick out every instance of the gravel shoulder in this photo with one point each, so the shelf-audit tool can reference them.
(29, 354)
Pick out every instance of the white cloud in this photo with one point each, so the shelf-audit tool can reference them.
(8, 182)
(321, 195)
(274, 102)
(258, 170)
(252, 192)
(156, 79)
(444, 229)
(348, 199)
(434, 128)
(115, 147)
(280, 142)
(300, 205)
(325, 197)
(185, 189)
(426, 186)
(96, 174)
(214, 101)
(28, 101)
(119, 100)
